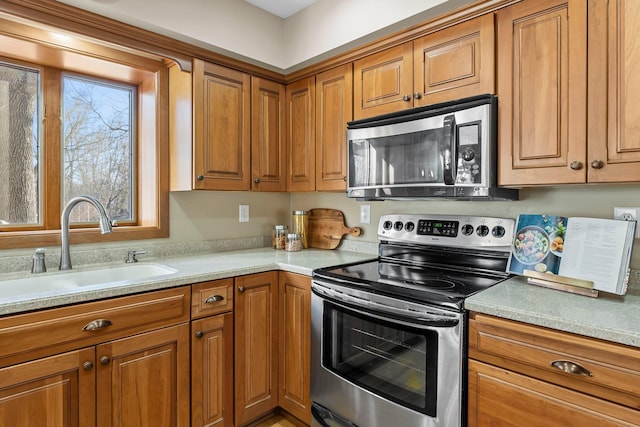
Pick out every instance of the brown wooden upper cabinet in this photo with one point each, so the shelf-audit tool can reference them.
(613, 144)
(565, 109)
(452, 63)
(227, 130)
(318, 109)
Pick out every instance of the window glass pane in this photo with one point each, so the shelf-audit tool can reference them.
(19, 145)
(98, 132)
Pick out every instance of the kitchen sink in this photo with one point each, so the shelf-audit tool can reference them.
(70, 280)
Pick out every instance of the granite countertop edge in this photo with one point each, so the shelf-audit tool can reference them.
(608, 317)
(189, 269)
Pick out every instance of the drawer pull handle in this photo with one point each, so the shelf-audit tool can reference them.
(213, 299)
(94, 325)
(571, 368)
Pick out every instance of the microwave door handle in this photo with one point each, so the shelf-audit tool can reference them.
(449, 134)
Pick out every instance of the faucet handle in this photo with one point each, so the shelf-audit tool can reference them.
(131, 256)
(38, 265)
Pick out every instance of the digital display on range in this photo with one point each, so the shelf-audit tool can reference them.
(427, 227)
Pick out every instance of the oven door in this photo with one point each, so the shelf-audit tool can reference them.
(377, 361)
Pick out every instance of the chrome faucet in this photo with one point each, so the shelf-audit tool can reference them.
(105, 226)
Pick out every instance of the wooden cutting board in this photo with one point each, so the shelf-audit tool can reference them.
(326, 228)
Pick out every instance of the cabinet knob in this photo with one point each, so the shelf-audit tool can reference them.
(597, 164)
(94, 325)
(200, 177)
(241, 289)
(571, 367)
(406, 98)
(344, 178)
(417, 95)
(576, 166)
(213, 299)
(105, 360)
(87, 366)
(199, 334)
(257, 180)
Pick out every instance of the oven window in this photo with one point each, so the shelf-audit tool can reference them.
(391, 360)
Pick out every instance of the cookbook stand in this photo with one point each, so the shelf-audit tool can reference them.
(561, 283)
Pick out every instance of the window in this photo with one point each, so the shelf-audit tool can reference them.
(80, 117)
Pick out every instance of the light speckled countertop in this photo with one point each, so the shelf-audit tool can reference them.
(189, 269)
(608, 317)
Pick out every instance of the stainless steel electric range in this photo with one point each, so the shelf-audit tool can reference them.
(389, 341)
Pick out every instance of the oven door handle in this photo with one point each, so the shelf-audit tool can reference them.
(429, 319)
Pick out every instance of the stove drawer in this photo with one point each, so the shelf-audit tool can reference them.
(598, 368)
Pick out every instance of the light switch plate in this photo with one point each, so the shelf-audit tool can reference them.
(244, 213)
(365, 214)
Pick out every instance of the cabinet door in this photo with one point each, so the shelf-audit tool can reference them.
(455, 63)
(301, 135)
(383, 82)
(212, 371)
(295, 343)
(256, 345)
(143, 380)
(614, 114)
(222, 128)
(268, 149)
(542, 92)
(334, 108)
(501, 397)
(57, 391)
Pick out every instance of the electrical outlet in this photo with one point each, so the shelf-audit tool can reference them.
(244, 213)
(365, 214)
(628, 214)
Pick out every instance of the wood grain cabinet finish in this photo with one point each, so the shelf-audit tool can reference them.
(222, 127)
(143, 380)
(212, 371)
(521, 373)
(268, 139)
(613, 110)
(122, 361)
(453, 63)
(295, 343)
(301, 135)
(542, 92)
(334, 108)
(56, 391)
(256, 345)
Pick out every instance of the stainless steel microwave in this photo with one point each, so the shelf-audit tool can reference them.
(444, 150)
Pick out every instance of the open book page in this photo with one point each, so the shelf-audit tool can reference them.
(598, 250)
(537, 244)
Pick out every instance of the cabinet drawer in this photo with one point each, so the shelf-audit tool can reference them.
(611, 371)
(38, 334)
(213, 297)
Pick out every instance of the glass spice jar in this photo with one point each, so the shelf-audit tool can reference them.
(300, 226)
(294, 243)
(279, 236)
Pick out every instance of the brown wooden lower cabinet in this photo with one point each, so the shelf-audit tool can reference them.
(54, 391)
(295, 345)
(256, 345)
(524, 375)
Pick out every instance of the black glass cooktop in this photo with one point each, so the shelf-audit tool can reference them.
(438, 286)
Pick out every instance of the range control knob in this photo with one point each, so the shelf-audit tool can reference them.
(387, 225)
(467, 229)
(498, 231)
(482, 230)
(398, 226)
(409, 226)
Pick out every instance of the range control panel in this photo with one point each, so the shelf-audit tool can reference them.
(447, 230)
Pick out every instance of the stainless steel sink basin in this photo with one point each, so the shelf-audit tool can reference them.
(77, 279)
